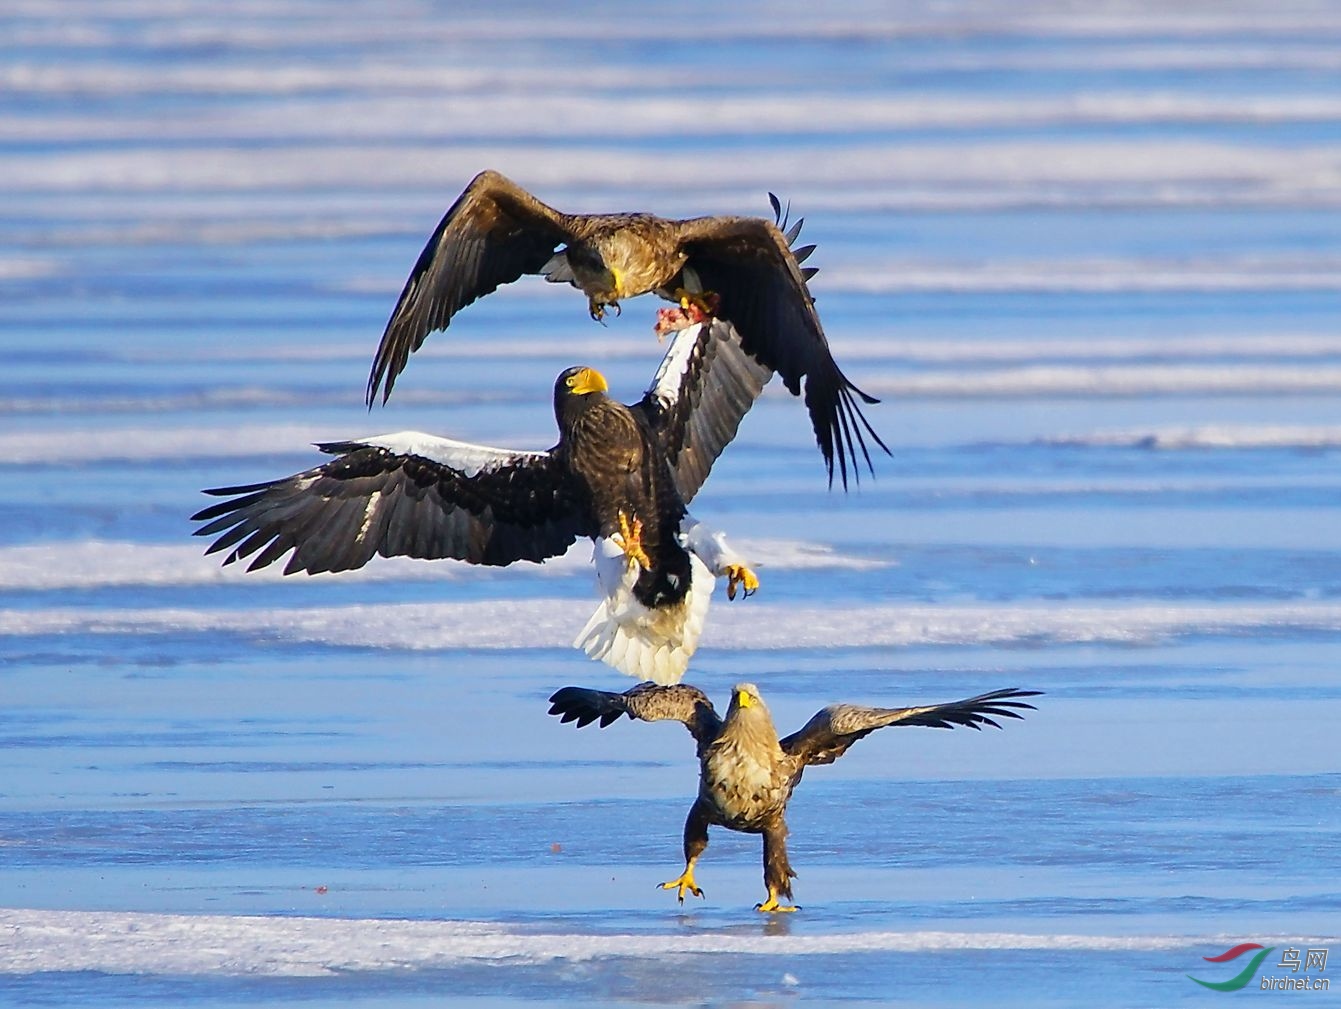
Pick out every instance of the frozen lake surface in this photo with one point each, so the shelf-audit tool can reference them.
(1090, 261)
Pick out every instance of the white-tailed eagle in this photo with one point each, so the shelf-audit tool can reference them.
(742, 269)
(746, 773)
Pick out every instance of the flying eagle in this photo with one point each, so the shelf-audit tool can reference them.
(747, 774)
(741, 268)
(621, 475)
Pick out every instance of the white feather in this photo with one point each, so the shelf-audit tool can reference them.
(369, 513)
(669, 379)
(710, 546)
(461, 456)
(650, 644)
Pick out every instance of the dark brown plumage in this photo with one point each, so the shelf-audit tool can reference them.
(423, 497)
(621, 475)
(496, 232)
(746, 773)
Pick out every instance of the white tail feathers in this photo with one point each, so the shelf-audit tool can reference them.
(650, 644)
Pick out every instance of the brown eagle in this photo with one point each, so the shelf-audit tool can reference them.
(739, 268)
(746, 773)
(621, 475)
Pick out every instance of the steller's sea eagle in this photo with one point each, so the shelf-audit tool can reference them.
(746, 773)
(621, 475)
(740, 268)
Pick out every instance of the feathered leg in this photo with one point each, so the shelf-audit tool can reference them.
(778, 872)
(695, 842)
(711, 547)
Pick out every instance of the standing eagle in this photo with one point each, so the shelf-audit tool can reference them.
(746, 773)
(741, 268)
(621, 475)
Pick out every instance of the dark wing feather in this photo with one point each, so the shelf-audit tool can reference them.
(827, 735)
(406, 495)
(746, 262)
(646, 702)
(494, 233)
(704, 387)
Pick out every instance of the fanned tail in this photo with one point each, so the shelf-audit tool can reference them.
(648, 644)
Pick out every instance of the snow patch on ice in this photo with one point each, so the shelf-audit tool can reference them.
(104, 444)
(37, 941)
(27, 267)
(1114, 380)
(886, 347)
(1093, 275)
(1207, 347)
(504, 108)
(854, 175)
(1210, 436)
(549, 623)
(94, 564)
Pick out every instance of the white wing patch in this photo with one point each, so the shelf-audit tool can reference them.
(669, 379)
(369, 513)
(465, 458)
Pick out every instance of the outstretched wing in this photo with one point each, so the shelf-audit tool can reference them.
(704, 387)
(647, 702)
(827, 735)
(494, 232)
(762, 289)
(408, 494)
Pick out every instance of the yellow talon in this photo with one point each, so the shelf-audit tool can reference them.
(771, 906)
(684, 882)
(698, 305)
(597, 309)
(629, 539)
(739, 574)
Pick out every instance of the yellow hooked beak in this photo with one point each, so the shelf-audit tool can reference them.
(743, 699)
(587, 380)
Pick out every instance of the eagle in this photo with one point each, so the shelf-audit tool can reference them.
(620, 475)
(740, 268)
(746, 773)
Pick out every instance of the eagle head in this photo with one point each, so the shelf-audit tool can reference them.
(748, 721)
(746, 695)
(574, 390)
(580, 381)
